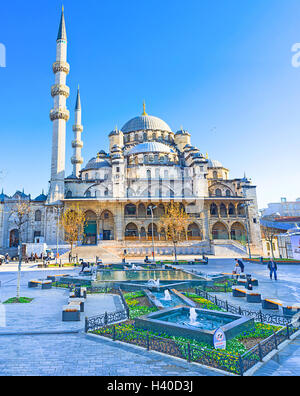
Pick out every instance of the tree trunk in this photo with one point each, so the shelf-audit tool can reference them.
(19, 266)
(272, 248)
(175, 252)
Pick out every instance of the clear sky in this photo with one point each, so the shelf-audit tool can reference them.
(220, 68)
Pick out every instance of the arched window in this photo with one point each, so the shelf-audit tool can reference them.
(231, 210)
(86, 176)
(106, 192)
(218, 192)
(38, 215)
(88, 194)
(149, 174)
(223, 210)
(213, 210)
(215, 174)
(228, 193)
(69, 194)
(130, 210)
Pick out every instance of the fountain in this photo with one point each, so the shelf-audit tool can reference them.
(167, 296)
(193, 317)
(152, 282)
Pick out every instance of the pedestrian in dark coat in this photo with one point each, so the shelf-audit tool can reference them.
(273, 269)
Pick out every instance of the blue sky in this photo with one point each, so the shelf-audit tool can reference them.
(219, 68)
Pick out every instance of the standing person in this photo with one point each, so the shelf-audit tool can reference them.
(241, 265)
(273, 269)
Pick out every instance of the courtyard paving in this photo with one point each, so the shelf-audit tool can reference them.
(67, 354)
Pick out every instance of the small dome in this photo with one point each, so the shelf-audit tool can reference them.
(214, 164)
(146, 122)
(96, 163)
(151, 147)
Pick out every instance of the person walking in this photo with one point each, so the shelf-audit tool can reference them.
(241, 265)
(273, 269)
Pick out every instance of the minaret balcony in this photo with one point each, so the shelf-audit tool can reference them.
(76, 160)
(59, 114)
(60, 89)
(77, 143)
(61, 67)
(77, 128)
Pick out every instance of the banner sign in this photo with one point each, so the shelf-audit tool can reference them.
(295, 242)
(219, 339)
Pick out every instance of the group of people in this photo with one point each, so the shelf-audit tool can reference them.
(239, 268)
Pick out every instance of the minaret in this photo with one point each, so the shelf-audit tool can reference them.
(77, 144)
(59, 115)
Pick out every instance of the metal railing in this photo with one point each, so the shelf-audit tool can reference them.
(258, 316)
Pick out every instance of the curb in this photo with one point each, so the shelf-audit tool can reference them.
(30, 333)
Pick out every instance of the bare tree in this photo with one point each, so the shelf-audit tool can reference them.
(73, 222)
(175, 223)
(269, 234)
(20, 215)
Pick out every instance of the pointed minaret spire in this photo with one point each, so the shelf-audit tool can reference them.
(78, 102)
(59, 116)
(62, 33)
(77, 144)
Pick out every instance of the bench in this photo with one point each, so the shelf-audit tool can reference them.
(71, 312)
(55, 278)
(254, 282)
(45, 284)
(289, 309)
(77, 301)
(251, 296)
(272, 304)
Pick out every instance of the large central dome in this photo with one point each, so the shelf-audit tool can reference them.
(146, 122)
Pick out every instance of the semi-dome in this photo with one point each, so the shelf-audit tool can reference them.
(146, 122)
(151, 147)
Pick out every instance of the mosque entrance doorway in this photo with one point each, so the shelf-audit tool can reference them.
(90, 229)
(14, 238)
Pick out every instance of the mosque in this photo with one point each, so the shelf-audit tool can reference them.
(148, 165)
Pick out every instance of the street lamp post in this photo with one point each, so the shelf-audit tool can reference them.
(151, 207)
(57, 232)
(246, 206)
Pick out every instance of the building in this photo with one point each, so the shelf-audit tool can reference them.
(147, 163)
(283, 208)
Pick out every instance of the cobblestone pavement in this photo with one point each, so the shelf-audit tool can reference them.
(70, 354)
(66, 355)
(285, 363)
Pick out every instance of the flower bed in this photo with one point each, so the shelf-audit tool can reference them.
(186, 348)
(138, 304)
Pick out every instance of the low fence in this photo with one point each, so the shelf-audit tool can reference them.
(258, 316)
(261, 350)
(97, 322)
(236, 364)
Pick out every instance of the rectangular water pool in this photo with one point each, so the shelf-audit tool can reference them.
(176, 322)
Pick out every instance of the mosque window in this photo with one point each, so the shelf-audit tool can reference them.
(215, 174)
(88, 194)
(136, 137)
(106, 192)
(228, 193)
(38, 215)
(69, 194)
(149, 174)
(86, 176)
(218, 192)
